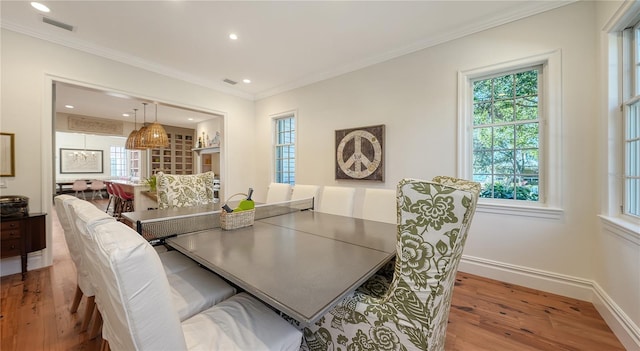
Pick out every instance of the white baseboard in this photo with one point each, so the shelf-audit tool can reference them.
(12, 265)
(622, 326)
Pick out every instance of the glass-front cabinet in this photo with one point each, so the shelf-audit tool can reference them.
(177, 158)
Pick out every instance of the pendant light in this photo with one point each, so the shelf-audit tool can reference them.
(155, 136)
(140, 136)
(133, 142)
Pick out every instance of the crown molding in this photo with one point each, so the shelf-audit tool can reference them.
(517, 14)
(127, 59)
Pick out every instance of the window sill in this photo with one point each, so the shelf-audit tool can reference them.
(521, 211)
(621, 227)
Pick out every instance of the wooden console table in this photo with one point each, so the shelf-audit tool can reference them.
(21, 235)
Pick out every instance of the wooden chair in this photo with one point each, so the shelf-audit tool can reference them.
(412, 312)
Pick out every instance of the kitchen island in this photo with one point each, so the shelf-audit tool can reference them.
(140, 201)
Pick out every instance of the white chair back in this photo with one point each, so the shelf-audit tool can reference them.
(278, 192)
(82, 214)
(136, 305)
(380, 205)
(337, 200)
(301, 191)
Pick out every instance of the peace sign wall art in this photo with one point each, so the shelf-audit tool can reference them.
(360, 153)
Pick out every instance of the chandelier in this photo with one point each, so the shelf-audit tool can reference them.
(84, 156)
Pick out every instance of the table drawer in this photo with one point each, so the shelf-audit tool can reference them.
(10, 234)
(10, 247)
(9, 225)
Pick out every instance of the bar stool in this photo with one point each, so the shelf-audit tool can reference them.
(112, 197)
(124, 202)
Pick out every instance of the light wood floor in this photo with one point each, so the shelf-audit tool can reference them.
(485, 314)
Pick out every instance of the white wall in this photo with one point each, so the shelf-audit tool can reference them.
(28, 66)
(616, 252)
(415, 96)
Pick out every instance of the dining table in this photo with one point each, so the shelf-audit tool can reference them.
(301, 263)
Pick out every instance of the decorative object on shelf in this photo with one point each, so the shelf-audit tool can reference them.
(155, 136)
(359, 153)
(199, 143)
(216, 140)
(7, 155)
(133, 141)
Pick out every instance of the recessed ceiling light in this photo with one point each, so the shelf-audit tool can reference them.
(190, 119)
(246, 81)
(40, 7)
(125, 115)
(233, 36)
(69, 106)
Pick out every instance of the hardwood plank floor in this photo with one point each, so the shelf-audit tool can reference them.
(485, 314)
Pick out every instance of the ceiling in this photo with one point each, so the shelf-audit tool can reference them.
(281, 45)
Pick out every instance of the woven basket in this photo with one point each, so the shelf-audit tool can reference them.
(235, 220)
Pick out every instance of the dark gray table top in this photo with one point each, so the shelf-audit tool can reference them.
(301, 263)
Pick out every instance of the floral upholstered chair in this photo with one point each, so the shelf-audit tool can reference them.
(412, 312)
(184, 190)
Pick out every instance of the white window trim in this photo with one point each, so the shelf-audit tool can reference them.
(274, 117)
(550, 143)
(612, 218)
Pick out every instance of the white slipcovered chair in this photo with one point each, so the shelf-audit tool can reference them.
(83, 284)
(380, 205)
(302, 191)
(139, 306)
(337, 200)
(193, 289)
(184, 190)
(412, 312)
(278, 192)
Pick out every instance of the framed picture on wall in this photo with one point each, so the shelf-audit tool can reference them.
(7, 155)
(80, 161)
(360, 153)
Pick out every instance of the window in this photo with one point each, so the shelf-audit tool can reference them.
(285, 155)
(631, 126)
(509, 135)
(506, 135)
(118, 157)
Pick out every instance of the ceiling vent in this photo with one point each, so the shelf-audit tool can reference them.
(229, 81)
(57, 24)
